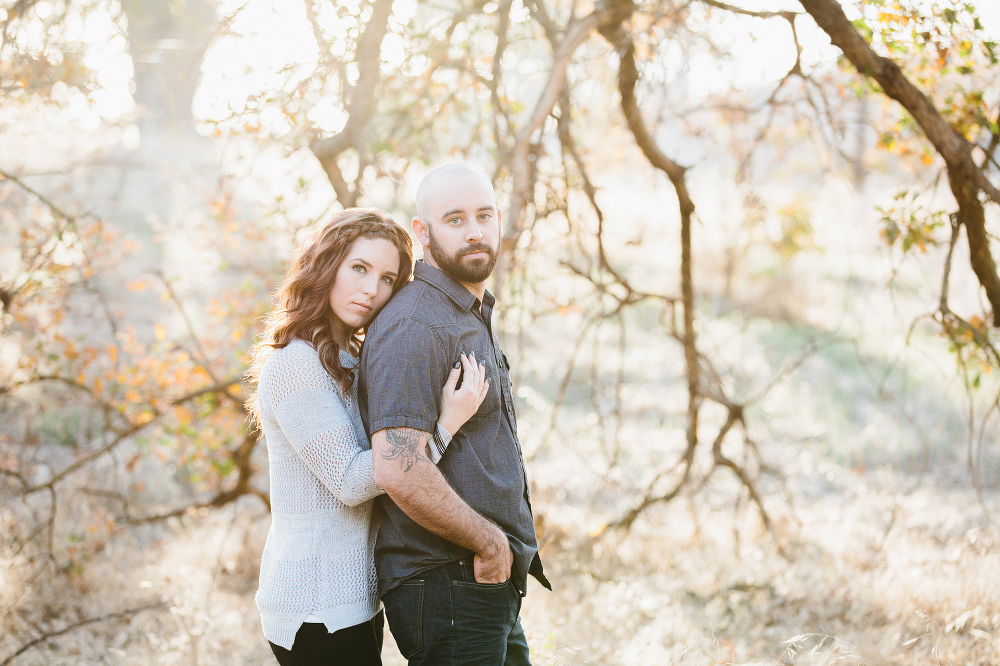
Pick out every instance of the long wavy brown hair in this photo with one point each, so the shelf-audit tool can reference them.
(304, 310)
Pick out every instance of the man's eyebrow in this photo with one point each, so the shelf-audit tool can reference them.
(461, 210)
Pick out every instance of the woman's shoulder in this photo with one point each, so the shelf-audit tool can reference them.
(299, 347)
(297, 355)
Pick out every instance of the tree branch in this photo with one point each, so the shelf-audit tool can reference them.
(359, 108)
(628, 77)
(520, 160)
(964, 176)
(83, 623)
(789, 16)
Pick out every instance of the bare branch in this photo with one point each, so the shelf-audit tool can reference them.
(520, 160)
(322, 43)
(628, 77)
(242, 457)
(76, 625)
(789, 16)
(359, 108)
(121, 436)
(51, 205)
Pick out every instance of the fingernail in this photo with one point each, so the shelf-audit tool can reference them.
(458, 364)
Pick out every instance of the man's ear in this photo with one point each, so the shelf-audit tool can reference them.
(421, 232)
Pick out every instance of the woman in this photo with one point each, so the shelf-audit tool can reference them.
(317, 598)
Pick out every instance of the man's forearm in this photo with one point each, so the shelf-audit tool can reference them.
(418, 488)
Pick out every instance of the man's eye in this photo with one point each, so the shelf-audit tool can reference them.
(455, 220)
(485, 217)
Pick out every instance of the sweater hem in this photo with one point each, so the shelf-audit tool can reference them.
(280, 628)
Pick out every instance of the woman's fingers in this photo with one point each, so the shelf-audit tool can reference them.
(469, 378)
(452, 381)
(480, 379)
(474, 378)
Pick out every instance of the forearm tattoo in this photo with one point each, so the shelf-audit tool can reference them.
(406, 445)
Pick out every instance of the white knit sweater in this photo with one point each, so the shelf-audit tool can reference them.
(319, 555)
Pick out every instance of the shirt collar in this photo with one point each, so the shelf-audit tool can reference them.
(447, 285)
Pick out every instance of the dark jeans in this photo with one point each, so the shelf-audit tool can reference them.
(360, 644)
(443, 616)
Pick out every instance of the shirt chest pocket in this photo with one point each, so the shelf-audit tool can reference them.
(491, 403)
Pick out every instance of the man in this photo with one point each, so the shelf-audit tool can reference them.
(456, 542)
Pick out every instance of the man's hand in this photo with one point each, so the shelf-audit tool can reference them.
(494, 565)
(425, 496)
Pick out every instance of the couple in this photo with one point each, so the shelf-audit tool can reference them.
(455, 541)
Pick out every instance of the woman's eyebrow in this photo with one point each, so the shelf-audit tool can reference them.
(366, 263)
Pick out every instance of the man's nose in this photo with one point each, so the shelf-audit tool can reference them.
(472, 231)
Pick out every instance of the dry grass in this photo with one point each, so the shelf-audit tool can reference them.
(871, 576)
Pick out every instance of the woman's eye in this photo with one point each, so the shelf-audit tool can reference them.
(388, 280)
(359, 268)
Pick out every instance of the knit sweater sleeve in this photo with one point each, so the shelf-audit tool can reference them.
(317, 424)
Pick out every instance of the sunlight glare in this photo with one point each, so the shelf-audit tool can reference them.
(268, 39)
(43, 10)
(763, 51)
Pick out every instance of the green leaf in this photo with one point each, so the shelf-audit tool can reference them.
(862, 27)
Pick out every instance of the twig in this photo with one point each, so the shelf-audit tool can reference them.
(52, 634)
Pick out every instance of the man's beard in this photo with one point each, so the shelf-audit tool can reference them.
(472, 273)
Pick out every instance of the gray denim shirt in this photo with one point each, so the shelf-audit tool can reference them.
(409, 349)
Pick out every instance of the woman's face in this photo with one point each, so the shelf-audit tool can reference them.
(363, 283)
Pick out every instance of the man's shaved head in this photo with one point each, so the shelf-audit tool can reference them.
(443, 179)
(458, 224)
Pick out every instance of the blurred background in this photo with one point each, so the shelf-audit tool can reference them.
(748, 294)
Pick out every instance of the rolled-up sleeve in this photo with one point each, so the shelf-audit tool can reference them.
(405, 365)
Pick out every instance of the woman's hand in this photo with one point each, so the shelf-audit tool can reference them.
(458, 405)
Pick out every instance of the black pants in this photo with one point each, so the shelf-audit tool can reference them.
(314, 646)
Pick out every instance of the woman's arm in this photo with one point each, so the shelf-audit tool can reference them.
(316, 423)
(458, 405)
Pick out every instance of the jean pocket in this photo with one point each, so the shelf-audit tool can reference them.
(475, 584)
(404, 610)
(484, 615)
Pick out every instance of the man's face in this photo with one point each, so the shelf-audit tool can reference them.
(464, 236)
(471, 263)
